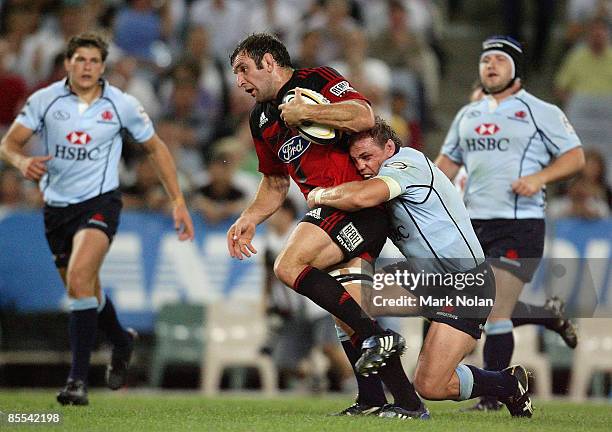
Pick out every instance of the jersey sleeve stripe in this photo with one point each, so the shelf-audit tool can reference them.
(394, 187)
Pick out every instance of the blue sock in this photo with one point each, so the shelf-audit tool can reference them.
(83, 324)
(498, 347)
(109, 323)
(497, 384)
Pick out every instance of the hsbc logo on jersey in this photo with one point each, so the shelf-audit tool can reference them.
(293, 149)
(487, 129)
(80, 138)
(70, 152)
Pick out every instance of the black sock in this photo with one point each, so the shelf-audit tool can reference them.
(495, 384)
(328, 293)
(498, 350)
(497, 353)
(83, 325)
(399, 385)
(529, 314)
(370, 388)
(109, 323)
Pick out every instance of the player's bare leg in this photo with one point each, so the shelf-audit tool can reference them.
(440, 376)
(499, 342)
(88, 250)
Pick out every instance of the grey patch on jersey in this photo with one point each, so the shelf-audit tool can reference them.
(397, 165)
(61, 115)
(473, 114)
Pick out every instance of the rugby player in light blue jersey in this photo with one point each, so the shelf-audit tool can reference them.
(80, 121)
(512, 144)
(432, 229)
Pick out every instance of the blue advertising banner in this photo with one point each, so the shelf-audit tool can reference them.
(145, 267)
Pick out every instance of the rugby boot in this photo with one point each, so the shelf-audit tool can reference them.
(358, 409)
(377, 349)
(395, 411)
(74, 393)
(519, 404)
(565, 328)
(117, 370)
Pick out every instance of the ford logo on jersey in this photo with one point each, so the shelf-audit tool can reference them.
(293, 148)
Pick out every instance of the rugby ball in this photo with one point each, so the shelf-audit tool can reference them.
(314, 132)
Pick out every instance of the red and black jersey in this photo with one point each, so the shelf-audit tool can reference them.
(282, 151)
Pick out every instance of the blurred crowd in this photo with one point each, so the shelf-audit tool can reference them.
(173, 57)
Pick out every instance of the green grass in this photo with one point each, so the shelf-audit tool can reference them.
(134, 412)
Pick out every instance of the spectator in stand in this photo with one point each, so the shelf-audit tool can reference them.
(584, 83)
(17, 23)
(146, 193)
(309, 48)
(139, 26)
(12, 88)
(220, 199)
(124, 75)
(370, 75)
(41, 48)
(225, 20)
(411, 60)
(334, 23)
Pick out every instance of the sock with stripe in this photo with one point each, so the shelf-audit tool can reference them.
(499, 345)
(82, 324)
(328, 293)
(475, 382)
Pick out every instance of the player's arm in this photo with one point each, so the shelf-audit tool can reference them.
(352, 115)
(11, 151)
(565, 166)
(166, 170)
(449, 167)
(353, 196)
(270, 195)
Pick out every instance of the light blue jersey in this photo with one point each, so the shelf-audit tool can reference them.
(497, 144)
(85, 141)
(429, 219)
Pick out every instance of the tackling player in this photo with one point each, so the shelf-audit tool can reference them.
(80, 120)
(512, 144)
(432, 229)
(325, 237)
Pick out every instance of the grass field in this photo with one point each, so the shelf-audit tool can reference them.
(134, 412)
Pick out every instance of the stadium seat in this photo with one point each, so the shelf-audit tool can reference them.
(593, 354)
(179, 338)
(527, 353)
(235, 333)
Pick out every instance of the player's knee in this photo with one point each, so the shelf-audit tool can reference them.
(285, 270)
(429, 387)
(79, 283)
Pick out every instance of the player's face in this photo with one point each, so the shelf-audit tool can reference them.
(256, 82)
(84, 68)
(495, 72)
(369, 156)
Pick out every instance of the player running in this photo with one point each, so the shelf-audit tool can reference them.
(432, 229)
(512, 144)
(325, 237)
(80, 120)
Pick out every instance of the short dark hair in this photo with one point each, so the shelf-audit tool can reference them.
(258, 44)
(380, 133)
(89, 39)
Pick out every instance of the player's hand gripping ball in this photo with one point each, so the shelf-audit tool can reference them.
(314, 132)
